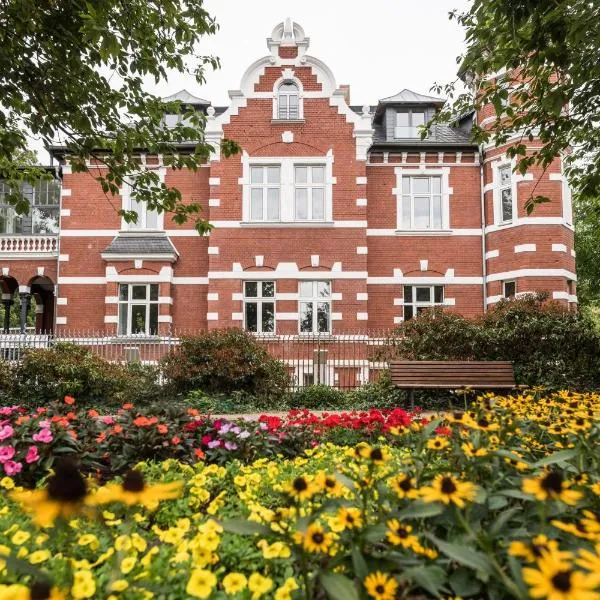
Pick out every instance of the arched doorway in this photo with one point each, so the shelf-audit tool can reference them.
(10, 303)
(42, 292)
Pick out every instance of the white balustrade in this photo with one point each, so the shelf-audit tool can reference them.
(28, 244)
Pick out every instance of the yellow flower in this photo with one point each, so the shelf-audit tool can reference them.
(89, 539)
(473, 452)
(274, 550)
(259, 585)
(123, 543)
(404, 486)
(119, 585)
(127, 564)
(551, 486)
(7, 483)
(376, 455)
(301, 488)
(535, 548)
(315, 539)
(84, 585)
(134, 490)
(381, 586)
(399, 534)
(20, 537)
(39, 556)
(329, 484)
(234, 583)
(438, 443)
(347, 518)
(201, 583)
(447, 489)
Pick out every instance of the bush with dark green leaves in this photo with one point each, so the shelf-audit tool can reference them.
(222, 362)
(547, 344)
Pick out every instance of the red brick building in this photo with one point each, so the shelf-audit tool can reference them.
(334, 218)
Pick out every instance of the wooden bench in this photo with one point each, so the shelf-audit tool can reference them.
(452, 375)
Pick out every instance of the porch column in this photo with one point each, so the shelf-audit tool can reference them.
(25, 298)
(7, 301)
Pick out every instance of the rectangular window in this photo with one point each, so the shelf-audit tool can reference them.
(309, 184)
(138, 308)
(315, 306)
(506, 199)
(408, 123)
(509, 289)
(421, 203)
(418, 298)
(265, 184)
(259, 306)
(44, 208)
(146, 219)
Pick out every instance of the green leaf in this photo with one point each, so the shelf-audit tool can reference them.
(429, 578)
(557, 457)
(430, 428)
(465, 556)
(338, 587)
(502, 519)
(375, 533)
(421, 510)
(358, 563)
(244, 527)
(463, 583)
(518, 494)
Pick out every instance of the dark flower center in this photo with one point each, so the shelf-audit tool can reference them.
(317, 537)
(330, 483)
(580, 421)
(483, 422)
(67, 484)
(380, 589)
(300, 484)
(133, 481)
(562, 581)
(402, 533)
(448, 487)
(405, 485)
(350, 518)
(552, 482)
(40, 590)
(376, 454)
(458, 415)
(537, 549)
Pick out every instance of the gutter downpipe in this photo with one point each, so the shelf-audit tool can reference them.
(483, 245)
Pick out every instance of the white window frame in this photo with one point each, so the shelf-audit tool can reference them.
(147, 302)
(265, 186)
(126, 198)
(415, 304)
(288, 77)
(447, 191)
(310, 187)
(287, 116)
(314, 299)
(504, 283)
(501, 188)
(411, 196)
(259, 300)
(504, 162)
(287, 199)
(413, 129)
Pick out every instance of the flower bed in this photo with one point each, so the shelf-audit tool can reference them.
(502, 501)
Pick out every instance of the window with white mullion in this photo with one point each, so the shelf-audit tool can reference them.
(259, 306)
(288, 101)
(421, 203)
(505, 193)
(309, 190)
(265, 191)
(315, 306)
(409, 123)
(418, 298)
(146, 219)
(138, 308)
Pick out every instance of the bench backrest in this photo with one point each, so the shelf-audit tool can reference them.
(426, 374)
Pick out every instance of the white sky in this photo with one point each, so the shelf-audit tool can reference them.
(378, 47)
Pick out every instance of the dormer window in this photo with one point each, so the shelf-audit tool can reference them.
(288, 101)
(408, 123)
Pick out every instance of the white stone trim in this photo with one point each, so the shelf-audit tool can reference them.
(494, 299)
(190, 280)
(362, 316)
(449, 301)
(286, 316)
(165, 319)
(111, 318)
(63, 258)
(398, 301)
(525, 248)
(314, 260)
(214, 181)
(287, 296)
(573, 253)
(336, 316)
(286, 273)
(560, 296)
(62, 301)
(111, 299)
(212, 316)
(559, 248)
(398, 320)
(361, 181)
(529, 221)
(61, 320)
(424, 264)
(362, 296)
(82, 280)
(362, 250)
(237, 296)
(212, 296)
(361, 202)
(165, 300)
(237, 316)
(214, 202)
(65, 212)
(259, 260)
(424, 280)
(231, 224)
(89, 232)
(423, 232)
(492, 254)
(213, 250)
(531, 273)
(65, 192)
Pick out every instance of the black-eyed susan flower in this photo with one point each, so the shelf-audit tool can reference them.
(532, 550)
(347, 518)
(39, 590)
(591, 521)
(404, 486)
(315, 539)
(380, 586)
(551, 486)
(134, 490)
(438, 443)
(590, 561)
(448, 489)
(329, 484)
(63, 496)
(301, 488)
(557, 580)
(578, 529)
(469, 449)
(399, 534)
(375, 454)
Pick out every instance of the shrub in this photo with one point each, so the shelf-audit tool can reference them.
(222, 362)
(547, 344)
(320, 397)
(7, 383)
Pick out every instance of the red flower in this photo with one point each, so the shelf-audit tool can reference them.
(92, 413)
(127, 406)
(101, 437)
(162, 428)
(444, 430)
(199, 453)
(69, 400)
(175, 440)
(205, 439)
(145, 421)
(116, 429)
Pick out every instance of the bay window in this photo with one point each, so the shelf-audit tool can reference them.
(505, 193)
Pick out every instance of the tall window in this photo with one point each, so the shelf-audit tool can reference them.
(418, 298)
(421, 203)
(408, 124)
(146, 219)
(138, 308)
(259, 306)
(265, 186)
(288, 101)
(43, 216)
(315, 306)
(309, 183)
(506, 199)
(509, 289)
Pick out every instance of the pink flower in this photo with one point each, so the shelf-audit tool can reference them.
(6, 432)
(12, 468)
(32, 455)
(45, 436)
(108, 420)
(45, 424)
(6, 453)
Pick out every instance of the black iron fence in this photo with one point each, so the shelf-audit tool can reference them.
(343, 361)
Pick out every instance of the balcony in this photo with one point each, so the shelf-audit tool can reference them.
(19, 246)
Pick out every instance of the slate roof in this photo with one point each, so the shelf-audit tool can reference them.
(141, 245)
(442, 135)
(186, 98)
(407, 96)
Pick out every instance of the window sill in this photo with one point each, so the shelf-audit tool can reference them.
(137, 232)
(286, 224)
(287, 121)
(424, 232)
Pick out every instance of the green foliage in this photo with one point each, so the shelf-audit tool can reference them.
(222, 362)
(75, 72)
(548, 345)
(587, 246)
(319, 397)
(550, 92)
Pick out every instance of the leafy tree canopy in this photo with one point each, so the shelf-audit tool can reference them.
(75, 71)
(549, 54)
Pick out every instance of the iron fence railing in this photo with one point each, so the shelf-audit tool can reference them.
(344, 361)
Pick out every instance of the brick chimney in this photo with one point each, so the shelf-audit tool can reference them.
(346, 89)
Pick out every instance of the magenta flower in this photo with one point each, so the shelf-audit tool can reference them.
(32, 455)
(12, 468)
(108, 420)
(231, 445)
(6, 432)
(44, 435)
(214, 444)
(6, 453)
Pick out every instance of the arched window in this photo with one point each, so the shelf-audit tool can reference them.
(288, 101)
